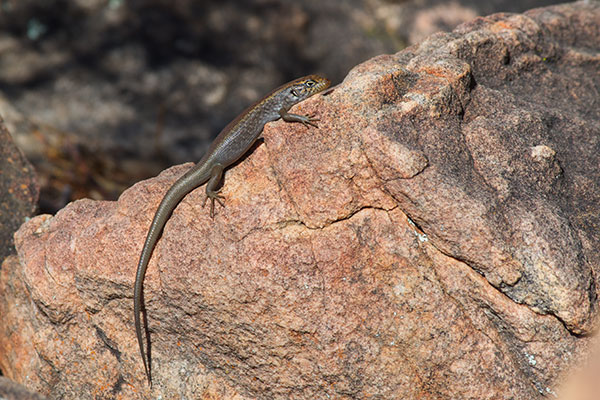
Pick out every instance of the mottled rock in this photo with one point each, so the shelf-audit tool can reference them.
(435, 238)
(18, 191)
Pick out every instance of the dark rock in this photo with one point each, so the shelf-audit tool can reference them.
(18, 191)
(10, 390)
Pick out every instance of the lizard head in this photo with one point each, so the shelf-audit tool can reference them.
(303, 88)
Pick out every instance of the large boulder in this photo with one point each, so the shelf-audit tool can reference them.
(435, 238)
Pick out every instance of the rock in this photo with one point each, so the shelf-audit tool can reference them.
(13, 391)
(18, 191)
(436, 237)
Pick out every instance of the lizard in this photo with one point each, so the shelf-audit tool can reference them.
(229, 146)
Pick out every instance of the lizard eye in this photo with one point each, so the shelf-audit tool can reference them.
(310, 83)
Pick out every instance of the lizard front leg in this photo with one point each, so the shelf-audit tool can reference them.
(304, 119)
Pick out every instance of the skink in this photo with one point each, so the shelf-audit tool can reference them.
(231, 144)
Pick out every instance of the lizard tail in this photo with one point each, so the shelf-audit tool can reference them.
(189, 181)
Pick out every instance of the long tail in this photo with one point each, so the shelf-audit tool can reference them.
(188, 182)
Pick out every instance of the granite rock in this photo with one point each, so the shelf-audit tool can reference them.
(435, 238)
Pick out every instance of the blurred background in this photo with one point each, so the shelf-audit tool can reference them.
(100, 94)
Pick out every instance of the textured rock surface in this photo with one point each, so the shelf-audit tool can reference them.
(436, 238)
(18, 191)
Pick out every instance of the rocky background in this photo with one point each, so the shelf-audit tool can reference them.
(435, 238)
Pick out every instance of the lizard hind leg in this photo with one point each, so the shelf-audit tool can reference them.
(212, 190)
